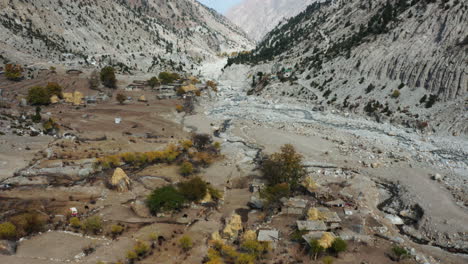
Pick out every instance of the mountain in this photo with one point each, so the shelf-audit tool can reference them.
(396, 60)
(258, 17)
(135, 34)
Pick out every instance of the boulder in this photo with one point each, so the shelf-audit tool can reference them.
(396, 220)
(120, 180)
(140, 209)
(437, 177)
(7, 247)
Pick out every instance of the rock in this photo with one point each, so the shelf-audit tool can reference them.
(23, 102)
(376, 165)
(256, 203)
(85, 172)
(396, 220)
(7, 247)
(140, 209)
(437, 177)
(398, 240)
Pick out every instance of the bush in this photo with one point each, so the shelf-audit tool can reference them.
(315, 248)
(186, 144)
(13, 72)
(186, 243)
(28, 223)
(328, 260)
(186, 168)
(54, 88)
(38, 96)
(193, 190)
(431, 101)
(153, 82)
(255, 248)
(370, 88)
(92, 225)
(396, 94)
(75, 222)
(201, 141)
(165, 199)
(338, 246)
(212, 85)
(400, 253)
(216, 195)
(141, 249)
(108, 78)
(94, 80)
(245, 259)
(131, 256)
(284, 167)
(167, 77)
(121, 98)
(7, 231)
(116, 230)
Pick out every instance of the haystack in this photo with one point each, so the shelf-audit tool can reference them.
(142, 99)
(120, 180)
(233, 227)
(68, 97)
(54, 99)
(326, 240)
(314, 214)
(77, 98)
(207, 199)
(310, 184)
(249, 235)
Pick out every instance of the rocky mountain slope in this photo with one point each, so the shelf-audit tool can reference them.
(397, 60)
(135, 34)
(258, 17)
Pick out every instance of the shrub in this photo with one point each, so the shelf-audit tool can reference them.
(28, 223)
(212, 85)
(400, 253)
(203, 158)
(167, 77)
(186, 243)
(54, 88)
(201, 141)
(38, 96)
(284, 167)
(131, 256)
(179, 108)
(92, 225)
(120, 98)
(296, 236)
(431, 101)
(108, 78)
(37, 118)
(7, 231)
(193, 190)
(401, 86)
(13, 72)
(338, 246)
(328, 260)
(165, 199)
(215, 194)
(396, 94)
(94, 80)
(254, 248)
(186, 168)
(153, 82)
(245, 259)
(141, 249)
(370, 88)
(116, 230)
(186, 144)
(75, 222)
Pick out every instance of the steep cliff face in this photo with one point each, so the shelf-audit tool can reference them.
(137, 34)
(378, 57)
(258, 17)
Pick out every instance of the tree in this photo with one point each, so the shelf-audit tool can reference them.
(92, 225)
(13, 72)
(121, 98)
(273, 194)
(400, 253)
(38, 96)
(165, 199)
(201, 141)
(193, 190)
(94, 80)
(186, 243)
(108, 77)
(338, 246)
(75, 222)
(7, 231)
(28, 223)
(167, 77)
(284, 167)
(315, 248)
(186, 168)
(37, 118)
(153, 82)
(54, 88)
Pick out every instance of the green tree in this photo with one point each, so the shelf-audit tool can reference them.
(94, 80)
(315, 248)
(28, 223)
(284, 167)
(165, 199)
(186, 243)
(273, 194)
(193, 190)
(167, 77)
(108, 78)
(92, 225)
(153, 82)
(54, 88)
(38, 96)
(75, 222)
(338, 246)
(7, 231)
(186, 168)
